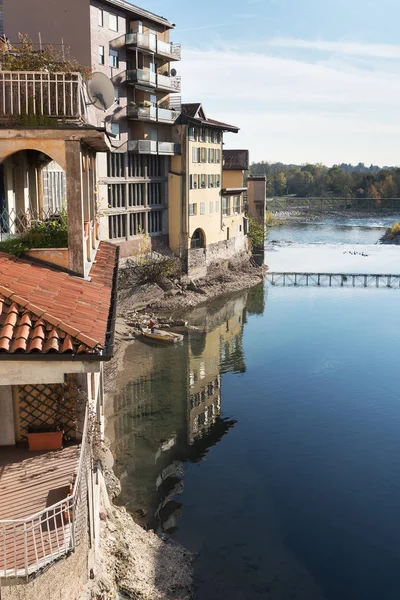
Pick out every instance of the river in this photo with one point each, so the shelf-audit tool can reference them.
(269, 442)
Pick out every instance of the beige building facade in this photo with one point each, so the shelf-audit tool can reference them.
(203, 228)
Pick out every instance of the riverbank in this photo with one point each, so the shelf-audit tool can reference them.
(179, 295)
(306, 216)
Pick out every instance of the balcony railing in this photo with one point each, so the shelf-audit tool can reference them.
(142, 146)
(169, 148)
(39, 94)
(141, 40)
(152, 147)
(171, 84)
(141, 76)
(28, 545)
(142, 113)
(14, 222)
(150, 43)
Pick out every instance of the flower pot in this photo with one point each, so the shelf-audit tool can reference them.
(47, 440)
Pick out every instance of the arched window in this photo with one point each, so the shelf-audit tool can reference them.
(198, 239)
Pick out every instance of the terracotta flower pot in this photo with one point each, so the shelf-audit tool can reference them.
(47, 440)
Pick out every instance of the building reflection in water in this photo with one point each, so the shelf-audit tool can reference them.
(170, 412)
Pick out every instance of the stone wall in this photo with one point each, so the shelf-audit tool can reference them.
(200, 259)
(62, 581)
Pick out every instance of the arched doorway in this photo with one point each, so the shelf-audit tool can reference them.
(32, 188)
(198, 239)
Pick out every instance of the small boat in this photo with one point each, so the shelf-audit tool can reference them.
(166, 337)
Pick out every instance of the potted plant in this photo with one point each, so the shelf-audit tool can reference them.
(49, 436)
(45, 437)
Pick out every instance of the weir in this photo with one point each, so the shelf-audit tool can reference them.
(292, 279)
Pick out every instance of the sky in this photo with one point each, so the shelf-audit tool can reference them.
(305, 80)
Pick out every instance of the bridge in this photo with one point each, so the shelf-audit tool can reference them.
(288, 203)
(355, 280)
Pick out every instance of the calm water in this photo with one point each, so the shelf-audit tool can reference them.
(269, 443)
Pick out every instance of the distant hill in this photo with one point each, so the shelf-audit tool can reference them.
(318, 180)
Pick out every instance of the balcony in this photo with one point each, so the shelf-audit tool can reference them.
(168, 84)
(142, 41)
(142, 77)
(166, 115)
(34, 97)
(169, 148)
(142, 113)
(152, 147)
(43, 505)
(142, 147)
(149, 43)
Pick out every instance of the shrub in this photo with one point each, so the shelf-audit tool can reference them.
(392, 231)
(156, 270)
(256, 233)
(52, 233)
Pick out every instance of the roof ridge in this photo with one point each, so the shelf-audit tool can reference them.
(55, 322)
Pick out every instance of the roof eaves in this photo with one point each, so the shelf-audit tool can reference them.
(141, 12)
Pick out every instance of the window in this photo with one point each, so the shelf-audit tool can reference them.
(101, 55)
(114, 59)
(211, 207)
(100, 14)
(192, 209)
(203, 181)
(203, 154)
(113, 22)
(194, 154)
(193, 182)
(202, 208)
(217, 181)
(226, 206)
(217, 206)
(236, 205)
(115, 130)
(201, 134)
(192, 133)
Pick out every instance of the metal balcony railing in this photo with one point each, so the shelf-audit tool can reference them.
(38, 94)
(169, 148)
(172, 84)
(142, 146)
(14, 222)
(28, 545)
(141, 40)
(146, 113)
(141, 76)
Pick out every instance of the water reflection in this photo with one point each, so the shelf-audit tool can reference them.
(169, 413)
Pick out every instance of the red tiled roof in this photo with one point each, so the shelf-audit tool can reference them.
(43, 309)
(235, 160)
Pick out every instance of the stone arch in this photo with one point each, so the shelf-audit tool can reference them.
(198, 239)
(54, 149)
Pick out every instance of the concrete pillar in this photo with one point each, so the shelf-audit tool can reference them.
(76, 249)
(7, 427)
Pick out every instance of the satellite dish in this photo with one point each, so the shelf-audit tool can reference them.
(101, 91)
(173, 72)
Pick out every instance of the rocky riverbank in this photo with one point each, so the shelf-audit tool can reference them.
(181, 293)
(306, 216)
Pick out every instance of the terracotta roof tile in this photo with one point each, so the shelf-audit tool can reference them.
(43, 309)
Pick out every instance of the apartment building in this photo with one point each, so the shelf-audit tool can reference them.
(131, 46)
(201, 228)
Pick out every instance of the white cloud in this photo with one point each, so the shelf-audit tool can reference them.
(339, 47)
(298, 109)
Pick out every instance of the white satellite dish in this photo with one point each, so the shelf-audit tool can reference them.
(101, 91)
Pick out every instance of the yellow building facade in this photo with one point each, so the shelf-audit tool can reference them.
(201, 230)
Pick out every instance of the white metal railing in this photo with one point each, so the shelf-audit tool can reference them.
(176, 51)
(14, 222)
(41, 94)
(141, 76)
(171, 83)
(28, 545)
